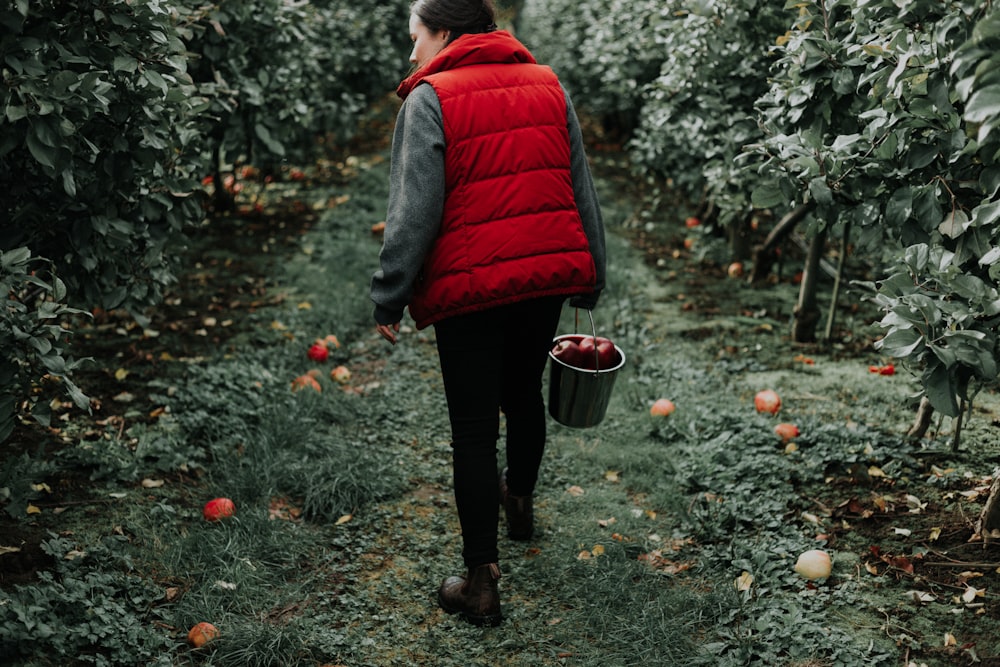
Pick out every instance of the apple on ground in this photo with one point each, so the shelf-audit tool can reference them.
(202, 633)
(306, 380)
(341, 374)
(319, 352)
(218, 509)
(814, 564)
(662, 407)
(786, 431)
(767, 401)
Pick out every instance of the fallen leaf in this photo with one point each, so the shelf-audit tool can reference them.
(9, 550)
(575, 491)
(121, 374)
(604, 523)
(598, 550)
(875, 471)
(224, 585)
(152, 483)
(949, 639)
(31, 509)
(344, 519)
(971, 593)
(41, 487)
(914, 504)
(922, 596)
(612, 476)
(905, 532)
(744, 581)
(934, 534)
(74, 554)
(584, 555)
(871, 568)
(811, 518)
(171, 593)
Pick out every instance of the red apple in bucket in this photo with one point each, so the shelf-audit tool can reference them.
(607, 355)
(567, 350)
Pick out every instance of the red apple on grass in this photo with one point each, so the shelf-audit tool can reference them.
(662, 407)
(201, 634)
(786, 431)
(319, 352)
(218, 509)
(767, 401)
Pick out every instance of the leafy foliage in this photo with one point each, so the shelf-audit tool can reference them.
(113, 111)
(97, 154)
(32, 338)
(86, 612)
(698, 114)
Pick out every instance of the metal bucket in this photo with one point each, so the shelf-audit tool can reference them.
(579, 397)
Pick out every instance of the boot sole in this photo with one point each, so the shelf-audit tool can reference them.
(479, 621)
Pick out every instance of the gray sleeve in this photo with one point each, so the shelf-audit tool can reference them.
(586, 195)
(416, 202)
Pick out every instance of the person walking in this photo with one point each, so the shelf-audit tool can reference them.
(492, 223)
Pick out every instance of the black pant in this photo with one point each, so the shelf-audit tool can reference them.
(493, 361)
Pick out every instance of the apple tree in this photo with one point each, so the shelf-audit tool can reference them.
(604, 51)
(942, 299)
(698, 114)
(862, 132)
(280, 74)
(97, 170)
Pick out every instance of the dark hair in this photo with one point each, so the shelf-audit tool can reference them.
(458, 17)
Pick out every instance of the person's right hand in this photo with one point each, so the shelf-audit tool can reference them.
(388, 331)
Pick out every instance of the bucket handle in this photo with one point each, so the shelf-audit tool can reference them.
(576, 328)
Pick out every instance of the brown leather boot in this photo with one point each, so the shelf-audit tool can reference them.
(520, 512)
(475, 597)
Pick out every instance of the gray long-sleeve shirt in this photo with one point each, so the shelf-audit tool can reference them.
(416, 201)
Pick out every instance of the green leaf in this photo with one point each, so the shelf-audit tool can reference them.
(768, 195)
(984, 105)
(900, 207)
(901, 343)
(940, 387)
(820, 191)
(954, 224)
(45, 155)
(10, 258)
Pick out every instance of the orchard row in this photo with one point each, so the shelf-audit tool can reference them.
(872, 124)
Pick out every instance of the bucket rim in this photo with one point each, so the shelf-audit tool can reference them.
(590, 371)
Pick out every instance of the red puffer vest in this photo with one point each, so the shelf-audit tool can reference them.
(511, 229)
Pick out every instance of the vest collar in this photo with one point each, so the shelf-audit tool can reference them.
(498, 47)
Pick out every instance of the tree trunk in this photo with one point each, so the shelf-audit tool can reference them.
(765, 255)
(838, 281)
(807, 314)
(739, 238)
(922, 422)
(988, 526)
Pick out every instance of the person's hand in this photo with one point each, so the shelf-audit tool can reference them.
(388, 331)
(585, 301)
